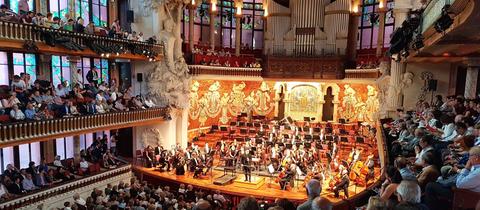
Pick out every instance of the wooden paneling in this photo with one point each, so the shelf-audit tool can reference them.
(304, 68)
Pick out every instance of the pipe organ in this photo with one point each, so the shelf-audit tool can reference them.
(307, 28)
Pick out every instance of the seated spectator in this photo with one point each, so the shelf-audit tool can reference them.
(429, 171)
(90, 29)
(27, 18)
(99, 108)
(376, 203)
(78, 27)
(41, 180)
(401, 164)
(56, 23)
(48, 20)
(30, 113)
(109, 160)
(57, 162)
(39, 19)
(68, 26)
(248, 203)
(42, 166)
(320, 203)
(16, 187)
(50, 177)
(389, 187)
(4, 194)
(425, 146)
(84, 165)
(314, 189)
(16, 114)
(140, 37)
(409, 193)
(2, 109)
(469, 176)
(43, 113)
(27, 183)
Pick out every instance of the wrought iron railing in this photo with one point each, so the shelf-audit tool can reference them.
(28, 130)
(27, 32)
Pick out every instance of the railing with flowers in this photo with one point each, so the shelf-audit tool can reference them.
(196, 70)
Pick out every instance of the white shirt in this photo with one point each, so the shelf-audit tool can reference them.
(57, 163)
(100, 109)
(84, 164)
(418, 159)
(449, 132)
(20, 84)
(17, 115)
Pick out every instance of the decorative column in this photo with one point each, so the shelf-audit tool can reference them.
(473, 66)
(73, 61)
(71, 9)
(76, 149)
(191, 14)
(395, 94)
(238, 30)
(213, 14)
(353, 31)
(381, 28)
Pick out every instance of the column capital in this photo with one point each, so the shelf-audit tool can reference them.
(472, 62)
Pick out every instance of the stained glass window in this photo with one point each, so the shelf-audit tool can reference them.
(225, 24)
(84, 65)
(25, 63)
(58, 8)
(60, 69)
(100, 15)
(83, 10)
(13, 5)
(102, 66)
(4, 69)
(369, 25)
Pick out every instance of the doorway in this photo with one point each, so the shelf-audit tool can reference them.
(327, 114)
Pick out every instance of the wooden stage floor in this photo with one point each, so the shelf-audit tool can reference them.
(265, 191)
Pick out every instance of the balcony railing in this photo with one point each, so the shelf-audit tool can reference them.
(362, 73)
(57, 191)
(196, 70)
(26, 32)
(32, 130)
(432, 12)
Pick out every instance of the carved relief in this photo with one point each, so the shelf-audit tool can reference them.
(426, 76)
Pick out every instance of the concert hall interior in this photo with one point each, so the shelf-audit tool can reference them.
(239, 104)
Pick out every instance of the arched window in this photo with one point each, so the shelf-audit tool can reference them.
(368, 26)
(225, 24)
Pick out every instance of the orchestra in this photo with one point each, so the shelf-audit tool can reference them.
(287, 154)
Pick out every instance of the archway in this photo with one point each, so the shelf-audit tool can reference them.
(328, 106)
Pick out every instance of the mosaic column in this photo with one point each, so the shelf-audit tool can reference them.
(395, 96)
(213, 14)
(473, 66)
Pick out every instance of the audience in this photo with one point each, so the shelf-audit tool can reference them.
(436, 150)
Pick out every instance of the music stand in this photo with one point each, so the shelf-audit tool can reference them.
(243, 131)
(223, 128)
(306, 119)
(233, 123)
(308, 145)
(318, 145)
(258, 140)
(343, 132)
(298, 144)
(289, 146)
(316, 129)
(286, 136)
(328, 130)
(329, 138)
(256, 125)
(308, 136)
(360, 139)
(241, 124)
(265, 126)
(344, 139)
(249, 124)
(214, 127)
(316, 137)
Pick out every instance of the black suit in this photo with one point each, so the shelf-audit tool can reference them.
(289, 174)
(343, 185)
(15, 188)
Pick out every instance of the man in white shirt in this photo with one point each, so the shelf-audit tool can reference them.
(84, 165)
(16, 113)
(57, 162)
(426, 144)
(27, 183)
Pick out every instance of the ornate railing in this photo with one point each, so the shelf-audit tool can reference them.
(26, 32)
(196, 70)
(69, 187)
(304, 68)
(362, 73)
(30, 130)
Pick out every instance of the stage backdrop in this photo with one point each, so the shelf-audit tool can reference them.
(216, 102)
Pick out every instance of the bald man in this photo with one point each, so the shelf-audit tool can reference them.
(314, 188)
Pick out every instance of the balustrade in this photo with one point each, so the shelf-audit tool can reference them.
(225, 71)
(41, 129)
(57, 191)
(362, 73)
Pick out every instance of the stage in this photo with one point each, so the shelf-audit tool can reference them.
(263, 188)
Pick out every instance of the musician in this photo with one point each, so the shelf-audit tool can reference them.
(343, 184)
(370, 167)
(287, 178)
(197, 165)
(148, 153)
(162, 161)
(179, 163)
(245, 159)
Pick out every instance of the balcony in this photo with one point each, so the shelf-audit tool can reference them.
(30, 131)
(32, 38)
(54, 194)
(198, 70)
(362, 73)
